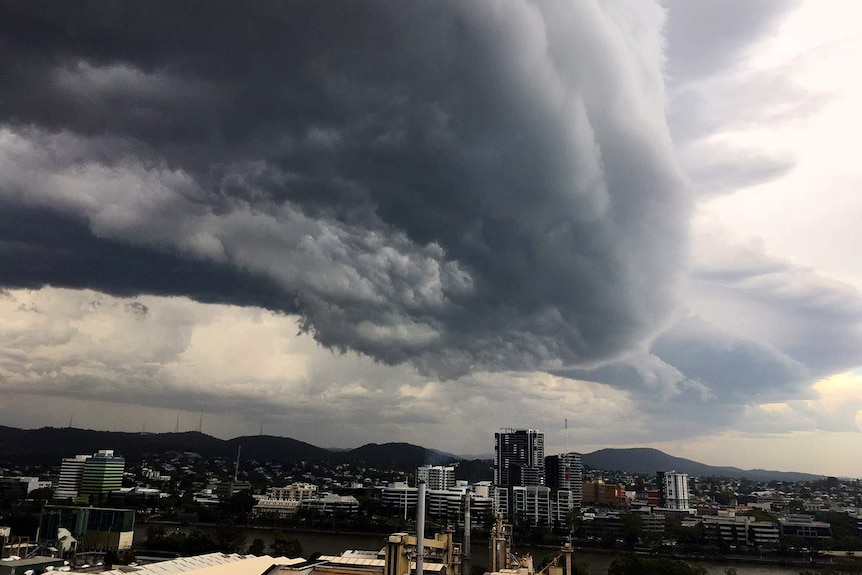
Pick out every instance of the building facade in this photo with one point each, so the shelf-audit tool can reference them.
(71, 472)
(566, 472)
(437, 477)
(531, 504)
(519, 457)
(103, 473)
(597, 492)
(95, 528)
(673, 490)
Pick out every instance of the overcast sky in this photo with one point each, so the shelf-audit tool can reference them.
(366, 222)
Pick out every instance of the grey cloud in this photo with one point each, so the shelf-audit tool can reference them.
(811, 318)
(136, 308)
(738, 371)
(715, 169)
(709, 35)
(453, 185)
(765, 330)
(713, 92)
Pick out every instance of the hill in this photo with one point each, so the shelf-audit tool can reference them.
(49, 445)
(401, 456)
(649, 461)
(272, 448)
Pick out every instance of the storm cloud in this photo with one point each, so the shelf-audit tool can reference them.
(456, 185)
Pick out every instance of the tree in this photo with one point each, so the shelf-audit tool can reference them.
(632, 528)
(239, 504)
(43, 493)
(257, 547)
(538, 534)
(228, 538)
(285, 546)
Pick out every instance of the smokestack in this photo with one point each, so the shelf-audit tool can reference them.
(420, 529)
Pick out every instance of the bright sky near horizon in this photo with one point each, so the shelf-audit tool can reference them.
(425, 221)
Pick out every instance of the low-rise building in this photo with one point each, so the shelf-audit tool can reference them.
(597, 492)
(804, 527)
(285, 501)
(94, 528)
(330, 504)
(21, 486)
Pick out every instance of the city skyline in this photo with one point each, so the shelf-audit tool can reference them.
(420, 223)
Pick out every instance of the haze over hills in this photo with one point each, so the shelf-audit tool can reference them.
(649, 461)
(49, 445)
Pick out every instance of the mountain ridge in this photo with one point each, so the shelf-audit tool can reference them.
(50, 444)
(649, 460)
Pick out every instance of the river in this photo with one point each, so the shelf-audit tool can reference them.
(335, 543)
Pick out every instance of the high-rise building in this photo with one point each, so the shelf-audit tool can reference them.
(71, 472)
(519, 457)
(673, 489)
(103, 473)
(565, 472)
(437, 477)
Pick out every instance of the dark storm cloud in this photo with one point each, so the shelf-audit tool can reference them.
(40, 245)
(454, 184)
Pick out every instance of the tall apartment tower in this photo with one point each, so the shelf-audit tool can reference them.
(437, 477)
(519, 457)
(672, 489)
(103, 473)
(565, 472)
(71, 472)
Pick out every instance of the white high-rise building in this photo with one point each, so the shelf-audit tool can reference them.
(436, 477)
(672, 489)
(71, 473)
(565, 472)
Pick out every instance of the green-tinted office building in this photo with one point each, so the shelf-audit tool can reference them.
(103, 473)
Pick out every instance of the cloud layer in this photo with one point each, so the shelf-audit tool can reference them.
(502, 210)
(455, 185)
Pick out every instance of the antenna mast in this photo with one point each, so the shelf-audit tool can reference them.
(236, 469)
(201, 422)
(177, 426)
(568, 457)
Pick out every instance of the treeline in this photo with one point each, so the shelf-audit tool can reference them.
(224, 538)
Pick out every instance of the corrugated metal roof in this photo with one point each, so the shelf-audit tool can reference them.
(211, 564)
(364, 561)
